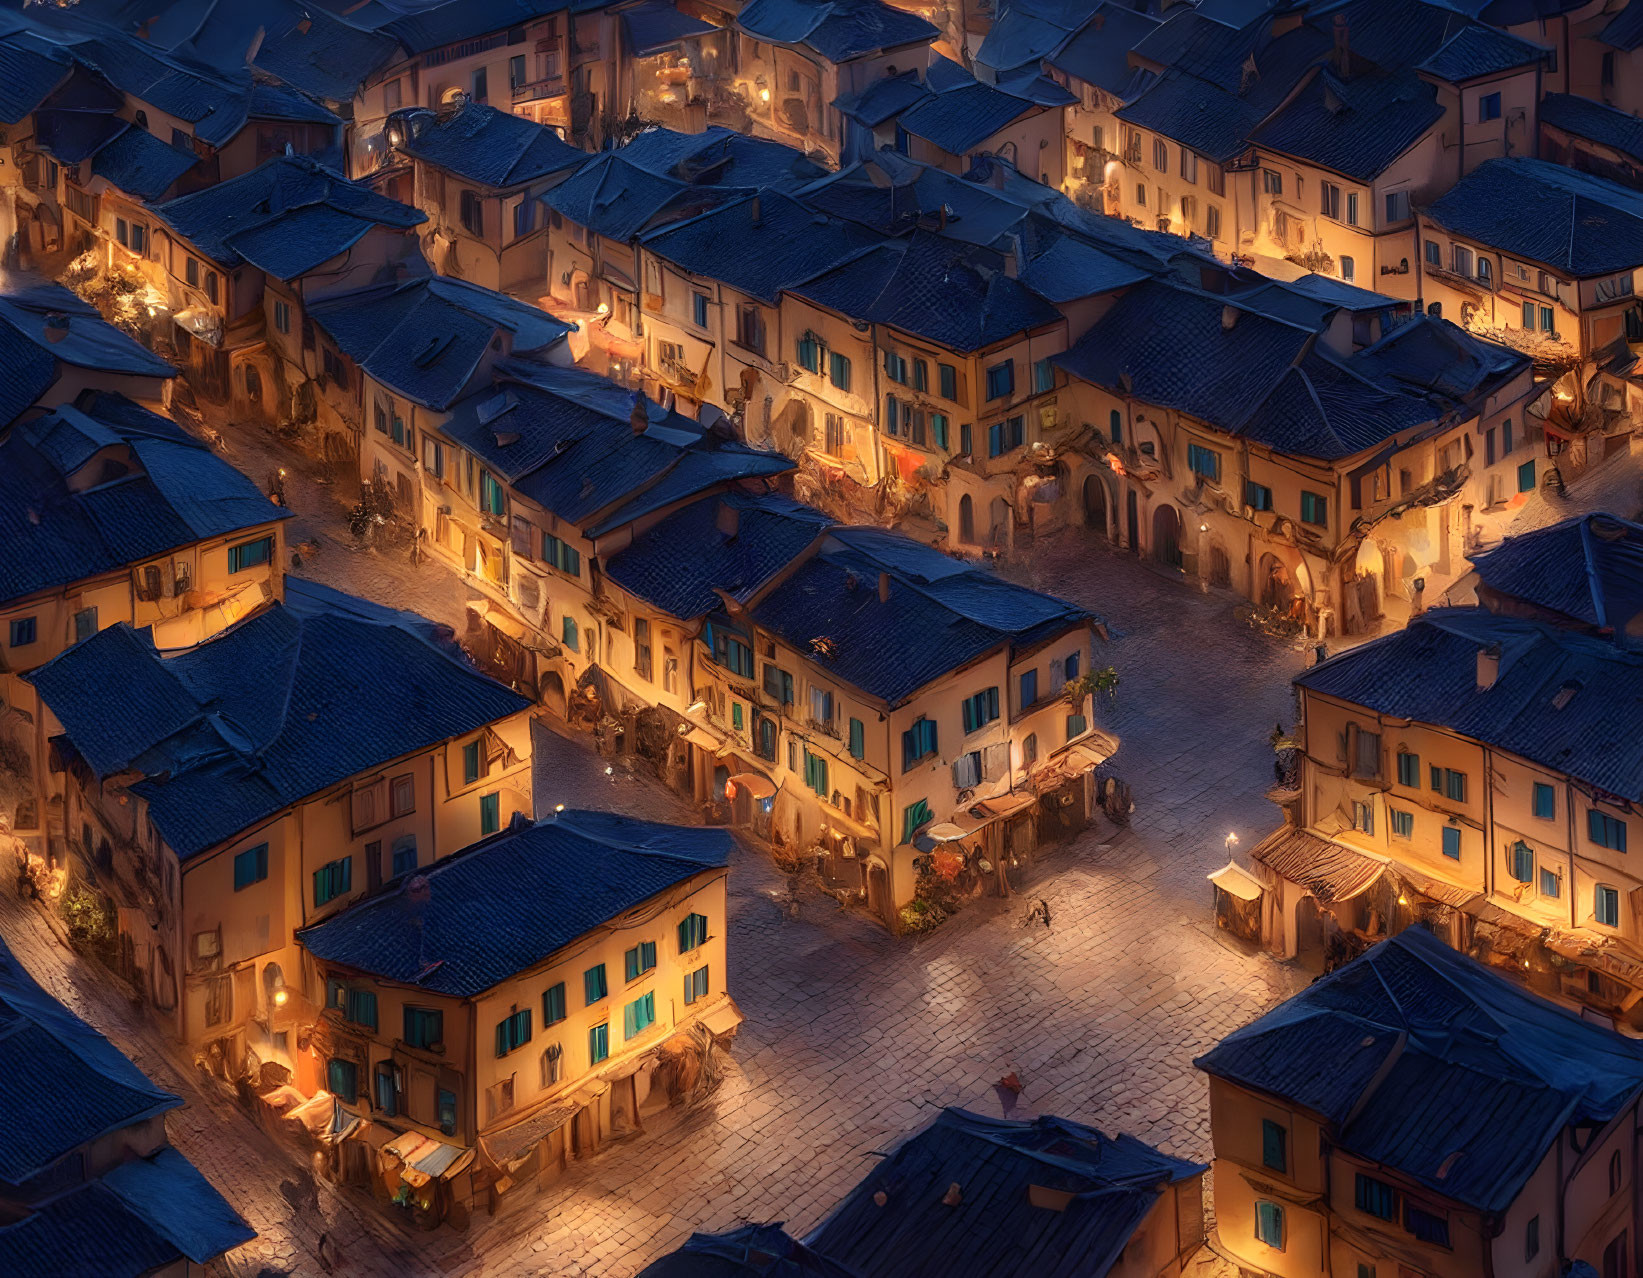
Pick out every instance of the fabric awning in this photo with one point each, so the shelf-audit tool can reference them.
(657, 25)
(757, 785)
(1329, 870)
(1236, 881)
(425, 1158)
(723, 1016)
(831, 816)
(497, 617)
(1005, 805)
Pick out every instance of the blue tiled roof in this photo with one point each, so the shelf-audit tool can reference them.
(421, 29)
(1426, 1062)
(1477, 50)
(177, 492)
(927, 285)
(427, 338)
(563, 438)
(1320, 409)
(839, 30)
(1440, 360)
(941, 612)
(1625, 29)
(30, 69)
(1588, 569)
(1356, 127)
(276, 102)
(285, 217)
(31, 359)
(760, 244)
(883, 99)
(1429, 673)
(295, 698)
(719, 156)
(141, 165)
(72, 136)
(1110, 1185)
(655, 25)
(93, 1089)
(94, 1226)
(680, 564)
(748, 1251)
(168, 1193)
(1605, 125)
(321, 54)
(1573, 222)
(618, 199)
(536, 887)
(1098, 53)
(1196, 114)
(962, 118)
(493, 148)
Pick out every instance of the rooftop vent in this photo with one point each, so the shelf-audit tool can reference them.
(884, 587)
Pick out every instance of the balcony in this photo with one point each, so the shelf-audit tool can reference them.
(548, 86)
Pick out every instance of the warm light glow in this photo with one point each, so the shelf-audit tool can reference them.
(764, 95)
(559, 807)
(696, 707)
(604, 308)
(281, 997)
(1403, 900)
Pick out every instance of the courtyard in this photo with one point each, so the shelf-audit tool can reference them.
(852, 1037)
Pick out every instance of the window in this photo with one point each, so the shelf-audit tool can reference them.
(191, 272)
(1606, 831)
(333, 879)
(1274, 1145)
(594, 987)
(250, 554)
(473, 761)
(360, 1008)
(1349, 268)
(1257, 496)
(1546, 319)
(1375, 1197)
(1488, 108)
(342, 1079)
(1520, 862)
(598, 1043)
(1531, 1238)
(553, 1004)
(282, 316)
(1363, 816)
(1434, 253)
(1463, 260)
(1212, 221)
(490, 814)
(1329, 200)
(858, 739)
(1043, 376)
(639, 1015)
(1486, 272)
(424, 1026)
(895, 368)
(558, 554)
(815, 773)
(1005, 436)
(914, 816)
(938, 430)
(492, 496)
(735, 656)
(481, 85)
(473, 214)
(1545, 805)
(692, 932)
(838, 370)
(981, 709)
(1366, 754)
(1616, 1172)
(1449, 783)
(1551, 884)
(750, 328)
(1269, 1224)
(404, 856)
(921, 375)
(1409, 769)
(778, 684)
(250, 866)
(1314, 508)
(1029, 750)
(947, 382)
(809, 353)
(1526, 476)
(1141, 194)
(1160, 155)
(1204, 462)
(639, 960)
(1075, 726)
(568, 634)
(696, 985)
(1506, 437)
(1403, 823)
(1272, 181)
(1001, 380)
(918, 742)
(1426, 1226)
(1029, 688)
(1451, 842)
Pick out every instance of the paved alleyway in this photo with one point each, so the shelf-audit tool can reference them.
(851, 1038)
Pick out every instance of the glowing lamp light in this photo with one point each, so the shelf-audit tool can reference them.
(764, 95)
(1403, 900)
(604, 308)
(282, 996)
(559, 807)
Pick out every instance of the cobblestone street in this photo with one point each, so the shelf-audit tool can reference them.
(852, 1038)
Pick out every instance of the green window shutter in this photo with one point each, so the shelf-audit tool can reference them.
(630, 964)
(858, 742)
(647, 955)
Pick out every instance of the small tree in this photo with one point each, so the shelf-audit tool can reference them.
(1102, 684)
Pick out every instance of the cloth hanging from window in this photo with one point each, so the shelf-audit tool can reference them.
(995, 761)
(967, 771)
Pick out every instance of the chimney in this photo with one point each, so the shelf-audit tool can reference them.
(1229, 317)
(638, 418)
(757, 209)
(1343, 47)
(728, 519)
(884, 587)
(1488, 667)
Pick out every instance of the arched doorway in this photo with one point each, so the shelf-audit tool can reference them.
(1095, 504)
(998, 523)
(721, 774)
(878, 889)
(1166, 535)
(966, 520)
(1274, 586)
(553, 694)
(1220, 566)
(1362, 597)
